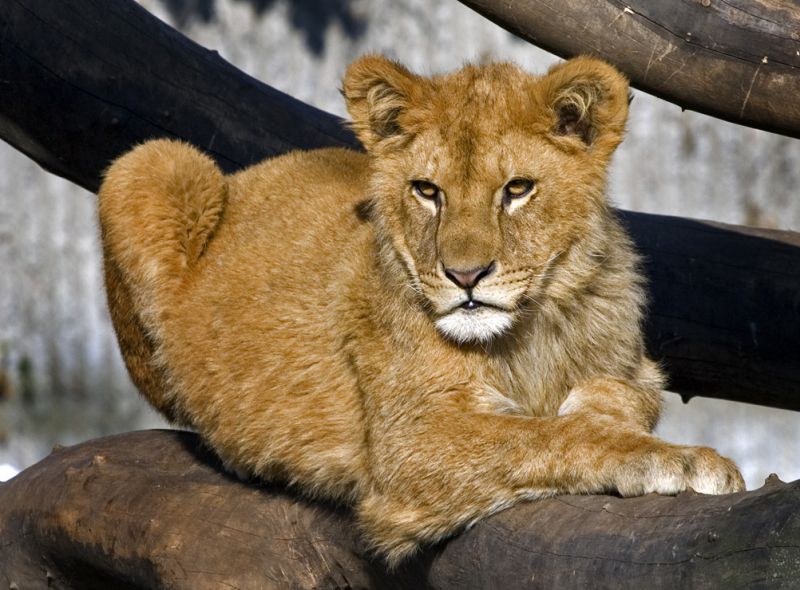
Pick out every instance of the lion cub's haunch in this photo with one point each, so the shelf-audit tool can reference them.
(433, 330)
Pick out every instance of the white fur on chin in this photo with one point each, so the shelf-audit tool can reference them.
(476, 325)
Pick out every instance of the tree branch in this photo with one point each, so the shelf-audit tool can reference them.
(736, 60)
(155, 510)
(86, 81)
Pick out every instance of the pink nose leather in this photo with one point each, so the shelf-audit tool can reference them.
(467, 279)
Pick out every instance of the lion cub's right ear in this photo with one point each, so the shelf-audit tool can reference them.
(588, 101)
(379, 92)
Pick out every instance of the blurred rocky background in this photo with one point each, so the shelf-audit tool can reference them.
(61, 376)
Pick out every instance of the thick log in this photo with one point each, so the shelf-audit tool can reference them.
(85, 81)
(724, 315)
(155, 510)
(738, 60)
(88, 80)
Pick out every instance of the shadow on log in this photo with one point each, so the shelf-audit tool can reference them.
(154, 510)
(92, 79)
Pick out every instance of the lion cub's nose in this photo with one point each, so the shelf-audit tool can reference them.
(467, 279)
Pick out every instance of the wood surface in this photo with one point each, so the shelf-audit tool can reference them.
(154, 509)
(738, 60)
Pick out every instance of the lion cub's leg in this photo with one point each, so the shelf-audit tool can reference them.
(453, 468)
(634, 403)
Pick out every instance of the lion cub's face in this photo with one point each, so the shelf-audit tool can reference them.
(485, 178)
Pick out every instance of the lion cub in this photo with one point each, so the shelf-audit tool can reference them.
(432, 330)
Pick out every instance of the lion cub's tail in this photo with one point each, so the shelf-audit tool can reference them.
(159, 206)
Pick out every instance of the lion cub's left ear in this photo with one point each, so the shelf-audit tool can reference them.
(379, 93)
(588, 100)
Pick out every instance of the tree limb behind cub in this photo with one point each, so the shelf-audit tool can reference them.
(431, 331)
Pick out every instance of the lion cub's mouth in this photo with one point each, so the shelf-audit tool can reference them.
(470, 304)
(474, 304)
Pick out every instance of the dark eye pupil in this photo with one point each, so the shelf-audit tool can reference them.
(426, 190)
(518, 187)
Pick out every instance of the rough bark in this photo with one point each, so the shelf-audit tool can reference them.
(155, 510)
(738, 60)
(88, 80)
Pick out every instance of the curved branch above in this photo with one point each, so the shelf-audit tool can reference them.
(737, 60)
(85, 81)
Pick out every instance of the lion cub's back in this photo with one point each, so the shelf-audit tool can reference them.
(301, 208)
(277, 268)
(256, 339)
(291, 235)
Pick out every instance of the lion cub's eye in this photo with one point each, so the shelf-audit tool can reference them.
(425, 190)
(517, 188)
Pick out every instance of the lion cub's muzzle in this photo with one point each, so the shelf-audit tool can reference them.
(476, 303)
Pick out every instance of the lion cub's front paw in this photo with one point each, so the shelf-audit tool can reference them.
(710, 473)
(671, 469)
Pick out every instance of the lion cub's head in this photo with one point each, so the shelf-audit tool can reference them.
(485, 179)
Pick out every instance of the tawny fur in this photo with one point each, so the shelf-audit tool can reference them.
(298, 315)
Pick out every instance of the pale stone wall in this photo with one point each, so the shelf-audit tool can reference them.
(61, 378)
